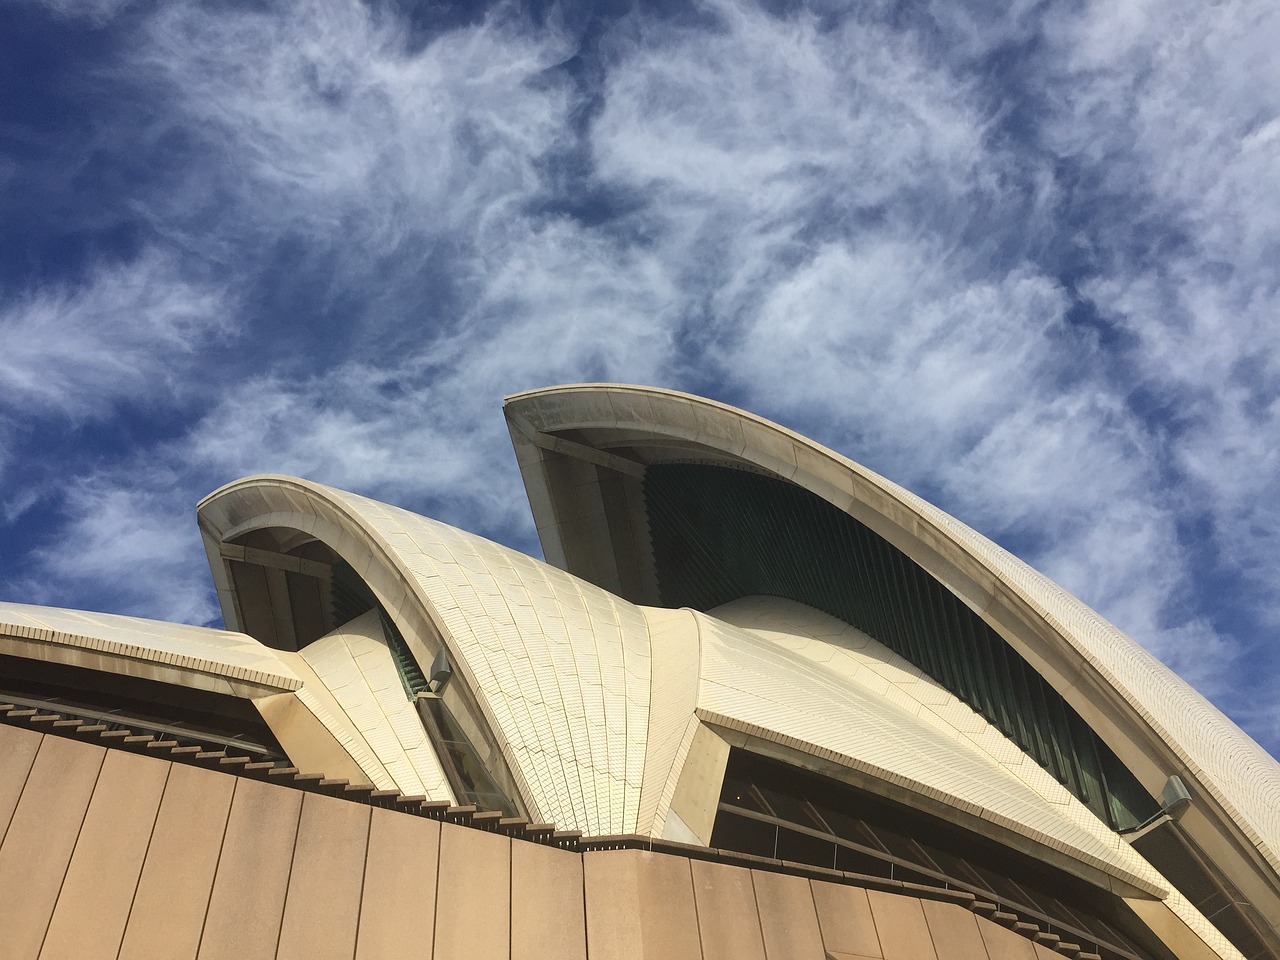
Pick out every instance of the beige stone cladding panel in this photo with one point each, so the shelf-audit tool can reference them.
(306, 726)
(89, 920)
(245, 907)
(280, 873)
(1187, 940)
(640, 906)
(562, 666)
(954, 931)
(548, 917)
(398, 900)
(172, 897)
(473, 901)
(17, 753)
(358, 669)
(1003, 944)
(38, 844)
(1242, 777)
(728, 922)
(788, 917)
(844, 917)
(325, 881)
(809, 694)
(902, 928)
(195, 656)
(695, 802)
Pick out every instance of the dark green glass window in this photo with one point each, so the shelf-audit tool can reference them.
(720, 534)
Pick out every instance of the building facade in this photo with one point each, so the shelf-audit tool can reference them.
(758, 702)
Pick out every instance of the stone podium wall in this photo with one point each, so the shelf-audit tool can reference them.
(111, 854)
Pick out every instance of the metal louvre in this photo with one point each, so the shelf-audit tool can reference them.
(720, 534)
(771, 809)
(349, 597)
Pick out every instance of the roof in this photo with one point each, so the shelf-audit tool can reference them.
(1153, 719)
(219, 660)
(591, 697)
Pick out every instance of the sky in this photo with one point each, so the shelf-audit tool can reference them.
(1021, 257)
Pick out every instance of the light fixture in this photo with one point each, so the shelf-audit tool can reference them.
(1175, 798)
(441, 671)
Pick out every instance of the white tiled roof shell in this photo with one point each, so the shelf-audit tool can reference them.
(356, 667)
(563, 665)
(790, 669)
(1242, 777)
(787, 672)
(217, 653)
(593, 725)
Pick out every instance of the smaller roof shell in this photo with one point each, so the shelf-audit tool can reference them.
(217, 660)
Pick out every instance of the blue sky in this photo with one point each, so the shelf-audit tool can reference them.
(1023, 258)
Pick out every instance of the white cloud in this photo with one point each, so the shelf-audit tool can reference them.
(322, 124)
(424, 429)
(126, 333)
(760, 110)
(890, 355)
(887, 333)
(129, 548)
(97, 12)
(817, 180)
(1180, 104)
(323, 121)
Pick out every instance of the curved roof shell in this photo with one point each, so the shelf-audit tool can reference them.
(595, 705)
(558, 670)
(576, 442)
(778, 670)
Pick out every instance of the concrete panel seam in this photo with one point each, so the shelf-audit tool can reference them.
(67, 867)
(284, 906)
(693, 899)
(364, 877)
(26, 777)
(435, 926)
(222, 845)
(151, 836)
(755, 898)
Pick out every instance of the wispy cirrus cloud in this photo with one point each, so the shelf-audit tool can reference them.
(1177, 110)
(325, 122)
(848, 191)
(128, 545)
(125, 334)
